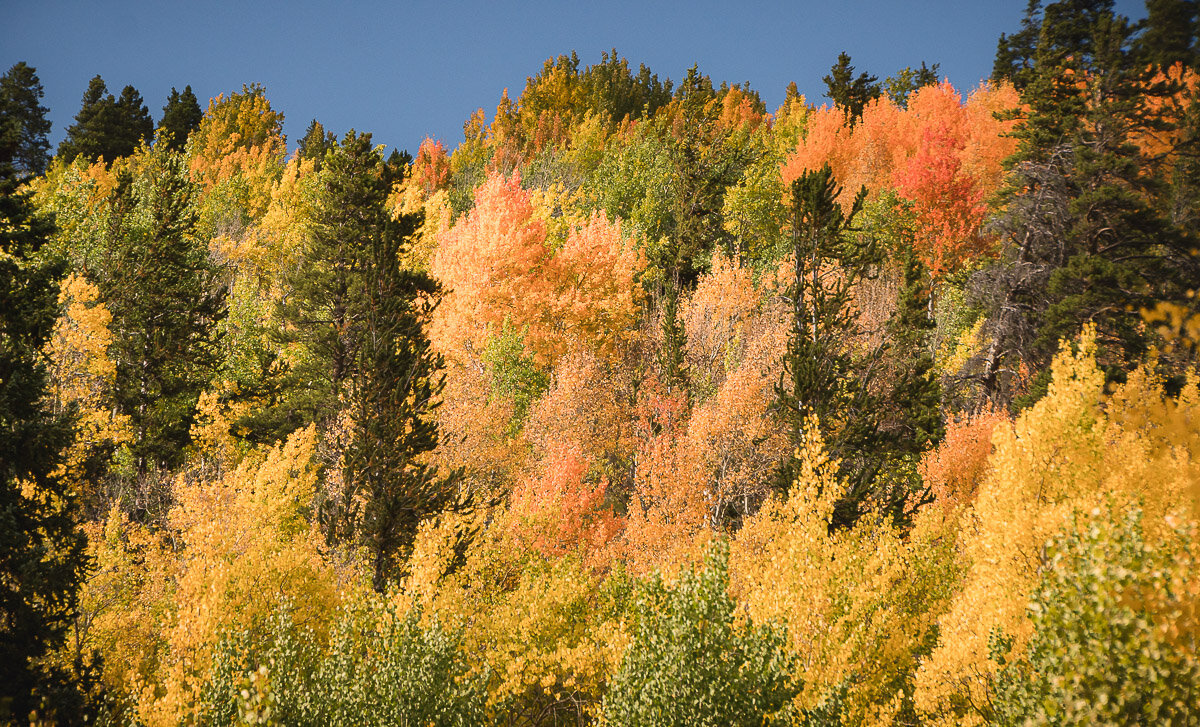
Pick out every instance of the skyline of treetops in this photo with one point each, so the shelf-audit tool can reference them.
(644, 404)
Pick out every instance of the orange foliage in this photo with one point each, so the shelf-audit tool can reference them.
(497, 266)
(940, 153)
(716, 315)
(489, 263)
(954, 470)
(738, 111)
(590, 401)
(475, 427)
(431, 168)
(668, 520)
(559, 509)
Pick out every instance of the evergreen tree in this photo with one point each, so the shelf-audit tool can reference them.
(21, 104)
(166, 301)
(1085, 238)
(107, 127)
(849, 93)
(1169, 33)
(915, 422)
(132, 123)
(821, 379)
(671, 358)
(316, 142)
(900, 86)
(1014, 53)
(181, 116)
(362, 317)
(42, 554)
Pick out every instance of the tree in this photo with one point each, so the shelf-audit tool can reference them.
(848, 93)
(21, 104)
(363, 319)
(181, 116)
(1014, 53)
(41, 548)
(819, 378)
(1084, 239)
(107, 127)
(164, 332)
(693, 663)
(1169, 33)
(913, 421)
(907, 80)
(316, 142)
(1098, 655)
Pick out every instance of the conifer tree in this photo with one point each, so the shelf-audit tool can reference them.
(107, 127)
(41, 548)
(181, 116)
(362, 317)
(316, 142)
(1169, 33)
(915, 422)
(821, 378)
(849, 93)
(21, 104)
(166, 301)
(1085, 240)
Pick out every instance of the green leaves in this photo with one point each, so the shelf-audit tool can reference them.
(1114, 630)
(693, 662)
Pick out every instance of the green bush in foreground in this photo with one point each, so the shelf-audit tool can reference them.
(380, 668)
(1115, 639)
(692, 663)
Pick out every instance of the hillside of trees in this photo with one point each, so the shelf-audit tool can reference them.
(644, 405)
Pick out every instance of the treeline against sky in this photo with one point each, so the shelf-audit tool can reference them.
(643, 405)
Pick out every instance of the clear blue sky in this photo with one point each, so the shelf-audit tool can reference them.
(405, 70)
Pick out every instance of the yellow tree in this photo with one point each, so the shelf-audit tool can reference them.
(1060, 461)
(247, 544)
(82, 375)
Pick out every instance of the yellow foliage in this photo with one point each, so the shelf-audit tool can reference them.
(540, 626)
(860, 605)
(82, 376)
(239, 138)
(246, 547)
(1065, 455)
(126, 605)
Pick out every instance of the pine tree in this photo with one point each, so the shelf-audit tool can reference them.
(362, 317)
(316, 142)
(821, 379)
(1014, 53)
(1085, 239)
(1169, 34)
(21, 104)
(107, 127)
(671, 358)
(42, 556)
(900, 86)
(916, 422)
(166, 301)
(181, 116)
(849, 93)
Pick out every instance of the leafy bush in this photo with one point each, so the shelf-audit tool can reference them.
(1114, 632)
(693, 663)
(380, 667)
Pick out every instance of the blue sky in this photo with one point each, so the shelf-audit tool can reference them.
(405, 70)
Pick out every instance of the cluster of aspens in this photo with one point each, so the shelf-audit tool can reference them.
(642, 407)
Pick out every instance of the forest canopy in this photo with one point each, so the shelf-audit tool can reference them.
(644, 405)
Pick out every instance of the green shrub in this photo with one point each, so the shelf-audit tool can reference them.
(692, 663)
(1114, 638)
(378, 668)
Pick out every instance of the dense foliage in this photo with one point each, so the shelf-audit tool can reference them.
(642, 405)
